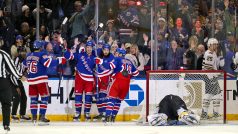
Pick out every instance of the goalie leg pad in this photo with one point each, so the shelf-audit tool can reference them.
(159, 119)
(189, 118)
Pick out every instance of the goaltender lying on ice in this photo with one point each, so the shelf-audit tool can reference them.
(172, 110)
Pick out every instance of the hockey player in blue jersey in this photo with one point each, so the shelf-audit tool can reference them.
(84, 79)
(104, 74)
(37, 63)
(123, 70)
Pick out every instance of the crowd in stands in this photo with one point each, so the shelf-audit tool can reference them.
(181, 29)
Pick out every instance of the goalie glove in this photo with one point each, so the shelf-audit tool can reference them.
(158, 119)
(189, 118)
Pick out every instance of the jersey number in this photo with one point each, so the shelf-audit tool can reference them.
(32, 66)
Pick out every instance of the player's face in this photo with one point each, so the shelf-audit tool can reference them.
(213, 47)
(106, 51)
(116, 54)
(89, 50)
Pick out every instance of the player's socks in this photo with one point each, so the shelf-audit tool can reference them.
(87, 106)
(110, 105)
(43, 105)
(116, 108)
(78, 107)
(34, 105)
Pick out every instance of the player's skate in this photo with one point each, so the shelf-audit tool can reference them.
(113, 118)
(204, 116)
(43, 121)
(6, 129)
(15, 118)
(76, 118)
(87, 117)
(103, 118)
(107, 120)
(98, 117)
(34, 119)
(216, 116)
(24, 118)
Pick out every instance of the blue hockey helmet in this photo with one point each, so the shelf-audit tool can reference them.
(121, 51)
(106, 46)
(37, 44)
(101, 42)
(89, 43)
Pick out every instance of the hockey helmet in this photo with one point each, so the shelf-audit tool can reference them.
(37, 44)
(89, 43)
(121, 51)
(212, 41)
(106, 46)
(101, 42)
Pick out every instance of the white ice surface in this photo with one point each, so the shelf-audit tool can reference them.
(118, 128)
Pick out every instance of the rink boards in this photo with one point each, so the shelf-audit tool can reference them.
(61, 104)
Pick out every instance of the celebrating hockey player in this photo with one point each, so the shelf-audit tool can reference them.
(211, 62)
(37, 63)
(172, 110)
(123, 71)
(103, 75)
(84, 79)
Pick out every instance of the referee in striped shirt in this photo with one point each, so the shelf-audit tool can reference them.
(7, 68)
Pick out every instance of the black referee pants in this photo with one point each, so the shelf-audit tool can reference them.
(5, 99)
(22, 99)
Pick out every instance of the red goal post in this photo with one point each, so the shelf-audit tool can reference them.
(183, 80)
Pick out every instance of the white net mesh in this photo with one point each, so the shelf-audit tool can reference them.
(203, 92)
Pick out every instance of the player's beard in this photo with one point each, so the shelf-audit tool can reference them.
(106, 55)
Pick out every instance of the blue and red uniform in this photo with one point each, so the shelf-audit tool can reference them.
(84, 79)
(37, 64)
(104, 75)
(123, 71)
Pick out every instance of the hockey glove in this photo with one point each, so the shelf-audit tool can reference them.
(98, 61)
(62, 60)
(81, 49)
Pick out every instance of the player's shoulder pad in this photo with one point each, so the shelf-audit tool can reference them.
(44, 55)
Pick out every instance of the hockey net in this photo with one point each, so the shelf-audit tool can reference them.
(200, 90)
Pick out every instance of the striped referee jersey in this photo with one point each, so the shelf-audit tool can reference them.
(7, 66)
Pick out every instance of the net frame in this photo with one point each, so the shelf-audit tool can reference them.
(185, 71)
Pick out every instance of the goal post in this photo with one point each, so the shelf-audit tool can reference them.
(204, 91)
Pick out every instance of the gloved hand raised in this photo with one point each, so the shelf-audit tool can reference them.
(98, 61)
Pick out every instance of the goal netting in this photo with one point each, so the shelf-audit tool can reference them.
(202, 91)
